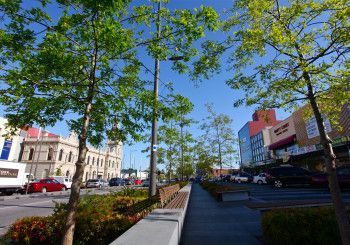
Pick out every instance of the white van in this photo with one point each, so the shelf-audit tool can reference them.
(64, 180)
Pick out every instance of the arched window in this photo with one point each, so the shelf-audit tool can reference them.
(67, 173)
(60, 155)
(93, 160)
(70, 157)
(31, 153)
(98, 161)
(86, 176)
(109, 163)
(88, 160)
(50, 154)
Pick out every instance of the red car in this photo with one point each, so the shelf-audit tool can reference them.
(343, 174)
(45, 185)
(137, 182)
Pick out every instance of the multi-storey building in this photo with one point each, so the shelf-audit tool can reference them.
(10, 147)
(259, 143)
(261, 120)
(48, 154)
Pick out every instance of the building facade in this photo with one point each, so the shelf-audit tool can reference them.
(262, 119)
(49, 154)
(10, 147)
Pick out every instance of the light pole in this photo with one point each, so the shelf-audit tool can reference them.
(153, 160)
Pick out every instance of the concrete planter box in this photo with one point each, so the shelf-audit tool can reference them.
(235, 195)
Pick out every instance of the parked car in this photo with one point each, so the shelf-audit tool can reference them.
(129, 181)
(260, 179)
(226, 178)
(96, 183)
(288, 175)
(146, 182)
(116, 181)
(45, 185)
(232, 178)
(64, 180)
(137, 182)
(243, 177)
(343, 174)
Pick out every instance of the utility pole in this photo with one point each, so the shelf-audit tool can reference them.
(33, 157)
(154, 146)
(182, 149)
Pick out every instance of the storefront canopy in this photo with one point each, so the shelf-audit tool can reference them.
(286, 141)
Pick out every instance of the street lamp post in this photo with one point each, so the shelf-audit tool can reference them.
(153, 160)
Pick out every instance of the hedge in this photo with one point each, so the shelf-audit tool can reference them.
(100, 219)
(301, 226)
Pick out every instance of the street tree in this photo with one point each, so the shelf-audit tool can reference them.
(83, 62)
(203, 160)
(286, 53)
(219, 136)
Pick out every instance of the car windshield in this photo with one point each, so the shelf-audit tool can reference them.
(93, 180)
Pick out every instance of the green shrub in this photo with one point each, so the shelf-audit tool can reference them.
(301, 226)
(100, 219)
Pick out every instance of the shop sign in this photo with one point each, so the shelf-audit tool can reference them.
(6, 150)
(282, 129)
(8, 172)
(312, 129)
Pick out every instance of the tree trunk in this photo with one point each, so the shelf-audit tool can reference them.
(77, 179)
(339, 207)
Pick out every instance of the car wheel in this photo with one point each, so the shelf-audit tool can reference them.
(43, 190)
(239, 181)
(260, 182)
(278, 183)
(63, 188)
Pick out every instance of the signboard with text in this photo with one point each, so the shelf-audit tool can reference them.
(312, 129)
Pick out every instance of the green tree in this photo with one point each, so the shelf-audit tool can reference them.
(305, 47)
(83, 62)
(219, 136)
(204, 161)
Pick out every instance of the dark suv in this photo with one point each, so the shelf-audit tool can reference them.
(116, 182)
(282, 176)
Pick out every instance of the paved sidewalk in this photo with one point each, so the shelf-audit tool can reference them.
(210, 222)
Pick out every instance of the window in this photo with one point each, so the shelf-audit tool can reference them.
(31, 153)
(113, 164)
(88, 160)
(70, 157)
(98, 162)
(109, 163)
(86, 176)
(60, 155)
(102, 162)
(93, 160)
(50, 154)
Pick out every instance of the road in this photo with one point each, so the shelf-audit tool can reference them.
(266, 194)
(39, 204)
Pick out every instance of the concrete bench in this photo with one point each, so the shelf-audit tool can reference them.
(235, 195)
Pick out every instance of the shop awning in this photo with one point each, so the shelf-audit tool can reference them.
(283, 142)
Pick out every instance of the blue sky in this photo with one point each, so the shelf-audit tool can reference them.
(213, 90)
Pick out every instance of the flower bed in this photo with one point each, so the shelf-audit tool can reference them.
(216, 190)
(301, 226)
(99, 219)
